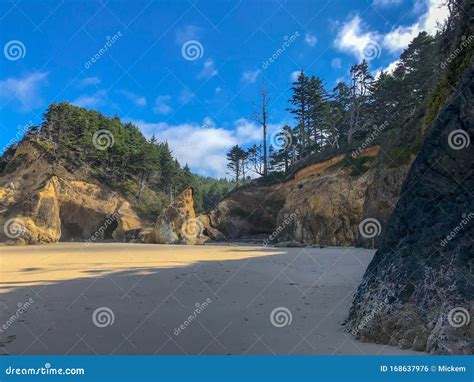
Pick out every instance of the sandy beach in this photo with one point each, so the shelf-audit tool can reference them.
(111, 298)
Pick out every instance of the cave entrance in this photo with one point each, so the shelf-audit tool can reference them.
(79, 223)
(110, 225)
(70, 231)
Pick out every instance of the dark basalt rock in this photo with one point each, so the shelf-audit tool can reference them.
(418, 290)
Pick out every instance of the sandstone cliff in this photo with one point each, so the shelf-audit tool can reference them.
(42, 203)
(323, 203)
(418, 290)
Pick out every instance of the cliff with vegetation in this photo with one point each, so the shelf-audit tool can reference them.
(339, 171)
(82, 176)
(320, 204)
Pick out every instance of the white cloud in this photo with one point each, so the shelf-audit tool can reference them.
(90, 101)
(89, 81)
(354, 37)
(24, 89)
(310, 39)
(204, 146)
(336, 63)
(208, 69)
(388, 69)
(399, 38)
(134, 98)
(294, 75)
(250, 76)
(386, 3)
(161, 105)
(436, 13)
(247, 131)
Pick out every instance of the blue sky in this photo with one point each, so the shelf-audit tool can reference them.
(190, 71)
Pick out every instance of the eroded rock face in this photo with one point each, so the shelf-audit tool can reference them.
(208, 230)
(41, 204)
(323, 204)
(248, 211)
(418, 290)
(178, 224)
(325, 208)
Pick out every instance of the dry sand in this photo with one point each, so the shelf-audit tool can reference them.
(151, 290)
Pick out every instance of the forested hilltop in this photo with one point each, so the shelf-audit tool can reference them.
(91, 145)
(391, 108)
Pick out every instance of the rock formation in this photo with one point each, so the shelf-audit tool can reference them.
(323, 203)
(209, 230)
(41, 203)
(178, 224)
(248, 211)
(418, 290)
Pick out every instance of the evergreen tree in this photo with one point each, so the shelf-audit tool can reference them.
(300, 105)
(234, 157)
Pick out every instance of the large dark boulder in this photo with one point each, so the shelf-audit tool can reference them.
(418, 290)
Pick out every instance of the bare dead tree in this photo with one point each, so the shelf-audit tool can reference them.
(261, 118)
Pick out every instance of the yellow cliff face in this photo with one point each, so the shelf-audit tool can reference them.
(323, 203)
(41, 203)
(324, 207)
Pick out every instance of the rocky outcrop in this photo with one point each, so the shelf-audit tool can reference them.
(248, 211)
(41, 203)
(418, 290)
(208, 230)
(323, 203)
(178, 224)
(324, 206)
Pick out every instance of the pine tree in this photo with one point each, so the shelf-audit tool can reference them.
(317, 112)
(234, 157)
(299, 101)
